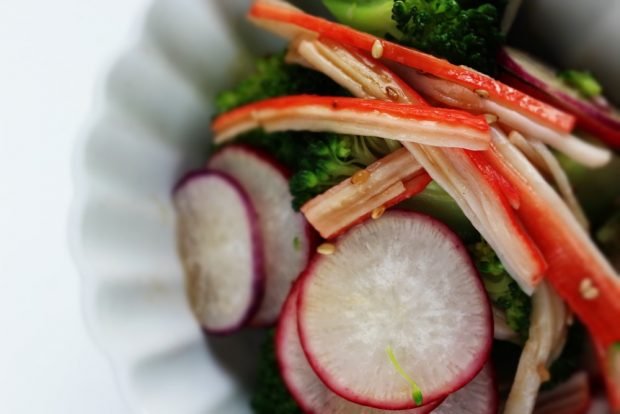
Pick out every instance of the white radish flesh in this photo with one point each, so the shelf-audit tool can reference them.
(477, 397)
(301, 380)
(285, 234)
(221, 250)
(402, 283)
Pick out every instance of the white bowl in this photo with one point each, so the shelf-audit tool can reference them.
(152, 127)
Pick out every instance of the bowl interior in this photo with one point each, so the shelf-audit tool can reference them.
(153, 125)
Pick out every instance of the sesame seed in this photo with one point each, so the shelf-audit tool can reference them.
(377, 212)
(360, 177)
(392, 93)
(586, 284)
(591, 293)
(490, 118)
(482, 93)
(326, 249)
(377, 49)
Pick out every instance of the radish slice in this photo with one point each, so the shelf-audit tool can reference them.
(399, 288)
(377, 187)
(601, 120)
(571, 397)
(307, 389)
(221, 250)
(477, 397)
(487, 207)
(355, 116)
(285, 235)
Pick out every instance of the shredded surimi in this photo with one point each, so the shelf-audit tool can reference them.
(457, 96)
(484, 206)
(343, 204)
(547, 330)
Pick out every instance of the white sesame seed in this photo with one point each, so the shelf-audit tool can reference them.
(377, 212)
(482, 93)
(377, 49)
(591, 293)
(326, 249)
(490, 118)
(360, 177)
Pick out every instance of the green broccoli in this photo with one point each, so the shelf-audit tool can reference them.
(317, 161)
(608, 237)
(331, 158)
(274, 77)
(270, 395)
(584, 82)
(502, 289)
(466, 32)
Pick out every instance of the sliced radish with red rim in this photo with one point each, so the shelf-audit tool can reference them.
(221, 250)
(404, 287)
(534, 77)
(307, 389)
(285, 233)
(477, 397)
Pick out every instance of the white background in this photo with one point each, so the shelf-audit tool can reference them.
(53, 56)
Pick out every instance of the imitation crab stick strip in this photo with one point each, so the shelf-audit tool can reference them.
(368, 193)
(354, 116)
(577, 270)
(486, 199)
(282, 18)
(458, 96)
(354, 70)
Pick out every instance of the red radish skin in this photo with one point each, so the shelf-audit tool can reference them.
(285, 234)
(279, 16)
(306, 388)
(390, 120)
(478, 397)
(224, 287)
(529, 265)
(343, 299)
(536, 79)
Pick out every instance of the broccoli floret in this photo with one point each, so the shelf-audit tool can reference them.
(274, 77)
(584, 82)
(466, 32)
(503, 291)
(317, 161)
(270, 395)
(331, 158)
(608, 237)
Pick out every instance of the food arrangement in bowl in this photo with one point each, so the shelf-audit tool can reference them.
(407, 201)
(420, 218)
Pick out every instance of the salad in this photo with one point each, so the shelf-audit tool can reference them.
(422, 219)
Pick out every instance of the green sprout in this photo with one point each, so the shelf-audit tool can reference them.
(416, 392)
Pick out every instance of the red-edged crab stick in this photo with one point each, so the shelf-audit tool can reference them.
(576, 268)
(286, 20)
(367, 194)
(354, 116)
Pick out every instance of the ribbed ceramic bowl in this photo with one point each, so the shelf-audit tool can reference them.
(152, 126)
